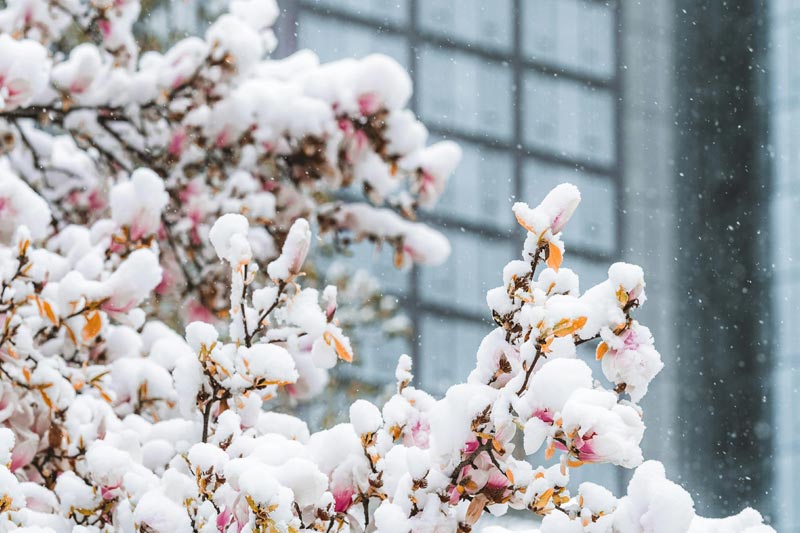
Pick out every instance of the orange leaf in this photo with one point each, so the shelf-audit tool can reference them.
(48, 311)
(546, 346)
(92, 327)
(524, 224)
(510, 475)
(341, 351)
(23, 246)
(554, 257)
(602, 348)
(46, 399)
(497, 446)
(399, 258)
(548, 453)
(541, 502)
(567, 326)
(38, 304)
(574, 464)
(27, 373)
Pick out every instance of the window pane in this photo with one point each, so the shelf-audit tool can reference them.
(334, 39)
(393, 11)
(481, 190)
(575, 34)
(461, 91)
(448, 346)
(474, 258)
(472, 21)
(569, 118)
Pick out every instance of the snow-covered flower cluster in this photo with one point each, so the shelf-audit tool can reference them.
(112, 421)
(169, 142)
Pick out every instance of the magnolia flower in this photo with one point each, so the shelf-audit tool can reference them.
(293, 254)
(629, 359)
(600, 429)
(139, 202)
(229, 237)
(24, 70)
(132, 281)
(552, 213)
(21, 206)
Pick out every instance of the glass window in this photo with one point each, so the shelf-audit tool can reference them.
(392, 11)
(380, 263)
(460, 91)
(448, 346)
(596, 39)
(376, 354)
(481, 191)
(334, 39)
(568, 118)
(472, 21)
(575, 34)
(475, 265)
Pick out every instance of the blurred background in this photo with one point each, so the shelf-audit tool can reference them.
(679, 120)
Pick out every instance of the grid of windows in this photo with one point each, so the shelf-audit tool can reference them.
(529, 89)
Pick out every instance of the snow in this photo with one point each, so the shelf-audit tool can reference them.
(24, 69)
(293, 253)
(139, 202)
(20, 206)
(271, 363)
(228, 235)
(365, 417)
(610, 432)
(207, 458)
(390, 518)
(653, 503)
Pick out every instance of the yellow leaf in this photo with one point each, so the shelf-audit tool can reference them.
(554, 257)
(602, 348)
(622, 296)
(92, 327)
